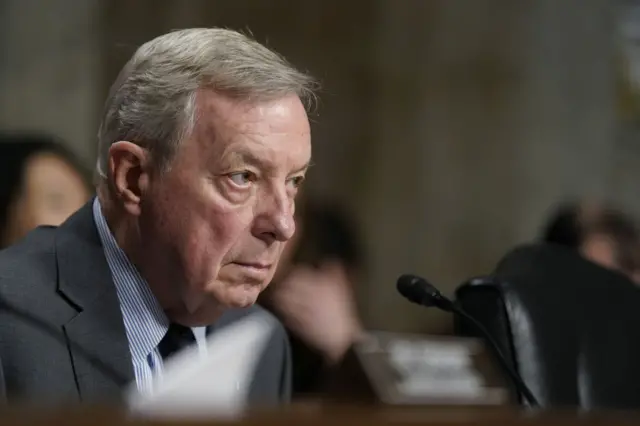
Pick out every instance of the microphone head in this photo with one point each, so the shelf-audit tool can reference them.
(418, 290)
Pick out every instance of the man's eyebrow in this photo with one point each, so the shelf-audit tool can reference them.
(238, 158)
(243, 157)
(304, 168)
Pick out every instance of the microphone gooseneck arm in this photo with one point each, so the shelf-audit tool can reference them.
(418, 290)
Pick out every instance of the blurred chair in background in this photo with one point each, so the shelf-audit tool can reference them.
(600, 233)
(566, 312)
(567, 325)
(313, 293)
(41, 183)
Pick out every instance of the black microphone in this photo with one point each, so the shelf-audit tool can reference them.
(418, 290)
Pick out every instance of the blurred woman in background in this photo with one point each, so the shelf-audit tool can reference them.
(313, 293)
(41, 183)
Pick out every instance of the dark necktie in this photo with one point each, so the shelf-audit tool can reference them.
(177, 338)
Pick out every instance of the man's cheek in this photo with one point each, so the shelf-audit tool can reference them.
(231, 227)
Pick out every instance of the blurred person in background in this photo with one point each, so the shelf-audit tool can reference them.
(601, 233)
(41, 183)
(313, 293)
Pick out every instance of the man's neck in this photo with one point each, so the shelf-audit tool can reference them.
(122, 229)
(126, 234)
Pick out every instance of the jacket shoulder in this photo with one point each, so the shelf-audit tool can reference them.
(30, 264)
(29, 281)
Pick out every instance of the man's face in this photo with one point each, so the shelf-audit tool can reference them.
(216, 223)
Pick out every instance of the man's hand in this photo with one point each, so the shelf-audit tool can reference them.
(318, 305)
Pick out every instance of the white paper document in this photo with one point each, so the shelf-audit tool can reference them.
(214, 385)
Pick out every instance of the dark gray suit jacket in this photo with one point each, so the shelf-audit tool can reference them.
(62, 337)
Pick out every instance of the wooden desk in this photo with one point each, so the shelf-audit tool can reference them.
(335, 415)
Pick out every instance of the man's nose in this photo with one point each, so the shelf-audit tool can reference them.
(276, 221)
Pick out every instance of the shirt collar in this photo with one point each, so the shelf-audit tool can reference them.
(144, 320)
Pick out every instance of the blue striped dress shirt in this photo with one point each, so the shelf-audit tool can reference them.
(144, 320)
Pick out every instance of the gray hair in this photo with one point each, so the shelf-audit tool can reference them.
(152, 102)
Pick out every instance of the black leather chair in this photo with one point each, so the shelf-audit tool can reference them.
(568, 326)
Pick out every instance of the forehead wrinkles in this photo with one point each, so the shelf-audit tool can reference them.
(222, 119)
(225, 111)
(226, 124)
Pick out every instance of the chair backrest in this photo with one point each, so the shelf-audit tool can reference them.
(569, 327)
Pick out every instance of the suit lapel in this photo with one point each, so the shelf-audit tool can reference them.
(97, 338)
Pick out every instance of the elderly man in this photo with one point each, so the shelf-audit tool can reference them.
(203, 145)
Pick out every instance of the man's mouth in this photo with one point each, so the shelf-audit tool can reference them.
(255, 265)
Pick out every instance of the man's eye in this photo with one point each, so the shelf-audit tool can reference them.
(242, 178)
(297, 181)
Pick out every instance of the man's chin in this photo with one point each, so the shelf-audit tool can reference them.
(243, 296)
(235, 299)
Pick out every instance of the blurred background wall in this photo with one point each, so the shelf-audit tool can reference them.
(448, 128)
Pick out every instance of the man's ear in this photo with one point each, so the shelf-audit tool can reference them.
(129, 167)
